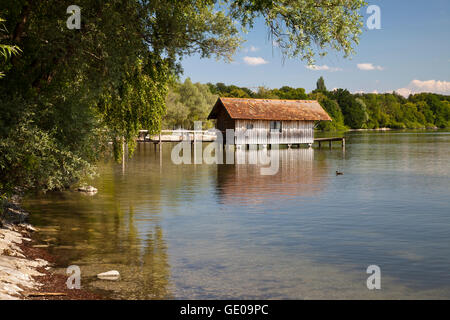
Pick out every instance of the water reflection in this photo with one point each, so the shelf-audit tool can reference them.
(113, 230)
(190, 231)
(297, 176)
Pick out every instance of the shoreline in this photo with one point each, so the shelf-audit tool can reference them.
(26, 272)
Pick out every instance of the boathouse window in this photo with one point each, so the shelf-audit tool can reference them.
(275, 126)
(250, 126)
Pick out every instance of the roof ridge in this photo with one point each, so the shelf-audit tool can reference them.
(267, 99)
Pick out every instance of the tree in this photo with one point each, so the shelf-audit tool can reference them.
(333, 110)
(188, 102)
(354, 114)
(289, 93)
(320, 85)
(265, 93)
(238, 93)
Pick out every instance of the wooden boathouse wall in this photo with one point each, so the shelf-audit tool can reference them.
(224, 121)
(292, 132)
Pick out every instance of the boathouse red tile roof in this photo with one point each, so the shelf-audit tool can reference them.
(268, 109)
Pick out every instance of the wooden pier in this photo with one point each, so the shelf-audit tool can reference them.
(330, 140)
(177, 136)
(194, 136)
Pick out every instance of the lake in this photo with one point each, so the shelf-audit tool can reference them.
(226, 231)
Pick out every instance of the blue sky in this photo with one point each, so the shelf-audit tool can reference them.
(410, 53)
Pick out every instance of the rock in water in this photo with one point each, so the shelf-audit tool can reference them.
(110, 275)
(87, 189)
(13, 214)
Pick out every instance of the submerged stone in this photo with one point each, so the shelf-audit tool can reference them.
(88, 189)
(109, 275)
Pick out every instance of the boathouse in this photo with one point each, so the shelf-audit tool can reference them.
(265, 121)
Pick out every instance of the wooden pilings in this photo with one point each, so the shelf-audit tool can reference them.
(330, 140)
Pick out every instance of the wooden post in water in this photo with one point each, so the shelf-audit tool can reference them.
(193, 147)
(123, 155)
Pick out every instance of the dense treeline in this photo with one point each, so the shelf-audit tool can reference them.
(358, 111)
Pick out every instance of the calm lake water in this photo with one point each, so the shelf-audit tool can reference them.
(226, 231)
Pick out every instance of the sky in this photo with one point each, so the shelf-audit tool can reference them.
(409, 54)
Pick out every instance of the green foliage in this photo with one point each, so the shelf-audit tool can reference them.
(6, 50)
(353, 110)
(32, 158)
(265, 93)
(425, 110)
(231, 91)
(188, 102)
(320, 85)
(289, 93)
(138, 103)
(333, 110)
(298, 26)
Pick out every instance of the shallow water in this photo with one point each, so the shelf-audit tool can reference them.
(226, 231)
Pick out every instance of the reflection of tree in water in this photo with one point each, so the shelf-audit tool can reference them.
(102, 233)
(155, 268)
(137, 249)
(298, 175)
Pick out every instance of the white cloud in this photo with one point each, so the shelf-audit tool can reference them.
(323, 68)
(251, 49)
(364, 91)
(417, 86)
(432, 85)
(369, 67)
(404, 92)
(255, 61)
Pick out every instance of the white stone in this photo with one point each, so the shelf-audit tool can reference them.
(109, 275)
(88, 189)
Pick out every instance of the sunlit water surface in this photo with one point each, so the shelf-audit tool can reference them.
(226, 231)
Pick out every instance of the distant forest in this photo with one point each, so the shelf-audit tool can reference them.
(188, 102)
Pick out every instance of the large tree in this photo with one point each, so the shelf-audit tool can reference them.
(188, 102)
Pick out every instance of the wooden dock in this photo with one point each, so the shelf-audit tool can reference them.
(330, 140)
(177, 136)
(208, 136)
